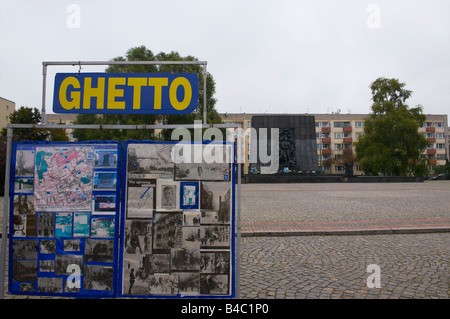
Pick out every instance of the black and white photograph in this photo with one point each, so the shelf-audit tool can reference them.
(150, 159)
(25, 270)
(141, 198)
(191, 218)
(24, 163)
(212, 236)
(138, 237)
(50, 285)
(63, 262)
(216, 197)
(184, 259)
(71, 244)
(191, 236)
(167, 230)
(24, 216)
(212, 217)
(167, 195)
(158, 263)
(213, 164)
(189, 283)
(99, 250)
(211, 284)
(203, 172)
(46, 224)
(46, 265)
(26, 286)
(25, 249)
(163, 284)
(47, 246)
(216, 262)
(98, 277)
(137, 270)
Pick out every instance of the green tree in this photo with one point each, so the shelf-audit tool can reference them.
(392, 144)
(141, 53)
(26, 115)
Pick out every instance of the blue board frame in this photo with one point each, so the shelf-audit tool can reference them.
(144, 222)
(55, 258)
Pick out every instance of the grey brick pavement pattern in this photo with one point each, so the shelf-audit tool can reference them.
(315, 267)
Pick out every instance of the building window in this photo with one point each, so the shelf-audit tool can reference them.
(322, 124)
(326, 169)
(359, 124)
(441, 157)
(249, 123)
(429, 135)
(341, 124)
(439, 124)
(431, 146)
(440, 146)
(338, 147)
(339, 168)
(440, 135)
(342, 135)
(427, 124)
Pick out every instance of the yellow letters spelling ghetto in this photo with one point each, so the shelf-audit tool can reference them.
(77, 94)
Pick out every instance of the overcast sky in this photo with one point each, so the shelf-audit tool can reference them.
(300, 56)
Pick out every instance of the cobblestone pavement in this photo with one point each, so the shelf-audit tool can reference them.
(412, 265)
(315, 267)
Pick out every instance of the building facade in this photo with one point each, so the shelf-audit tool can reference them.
(337, 133)
(6, 108)
(67, 119)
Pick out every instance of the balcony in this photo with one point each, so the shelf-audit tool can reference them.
(348, 151)
(431, 140)
(326, 140)
(431, 129)
(348, 140)
(431, 151)
(326, 129)
(326, 151)
(347, 128)
(433, 162)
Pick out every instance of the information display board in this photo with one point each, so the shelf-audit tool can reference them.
(64, 217)
(177, 220)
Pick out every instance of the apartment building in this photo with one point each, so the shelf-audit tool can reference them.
(6, 108)
(336, 134)
(67, 119)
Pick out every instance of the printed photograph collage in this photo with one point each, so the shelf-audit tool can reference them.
(162, 228)
(178, 222)
(63, 219)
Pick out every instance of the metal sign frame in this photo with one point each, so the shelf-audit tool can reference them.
(45, 125)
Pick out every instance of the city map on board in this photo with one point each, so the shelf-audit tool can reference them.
(63, 178)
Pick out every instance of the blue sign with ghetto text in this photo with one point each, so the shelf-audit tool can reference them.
(125, 93)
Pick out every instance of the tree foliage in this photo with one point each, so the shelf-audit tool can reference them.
(26, 115)
(392, 144)
(141, 53)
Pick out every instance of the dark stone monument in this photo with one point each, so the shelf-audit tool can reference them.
(297, 141)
